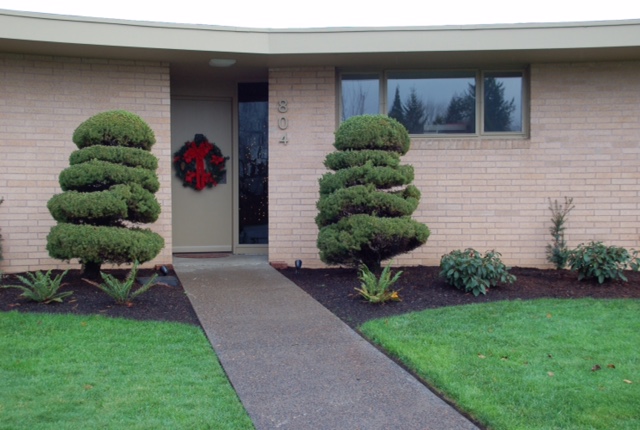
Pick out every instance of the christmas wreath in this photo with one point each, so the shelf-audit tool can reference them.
(199, 163)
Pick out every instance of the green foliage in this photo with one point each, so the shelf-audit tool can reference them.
(132, 157)
(379, 176)
(470, 271)
(114, 128)
(596, 260)
(376, 290)
(108, 188)
(40, 287)
(96, 175)
(368, 240)
(365, 205)
(121, 291)
(557, 252)
(364, 199)
(131, 202)
(345, 159)
(372, 132)
(103, 244)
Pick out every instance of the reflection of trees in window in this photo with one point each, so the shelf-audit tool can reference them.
(414, 113)
(397, 110)
(497, 111)
(353, 101)
(462, 111)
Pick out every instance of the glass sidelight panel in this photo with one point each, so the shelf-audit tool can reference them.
(253, 163)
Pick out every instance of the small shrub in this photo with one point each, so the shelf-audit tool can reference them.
(121, 291)
(596, 260)
(114, 128)
(470, 271)
(376, 290)
(557, 252)
(367, 200)
(40, 287)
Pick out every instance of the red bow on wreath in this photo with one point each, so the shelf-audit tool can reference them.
(199, 163)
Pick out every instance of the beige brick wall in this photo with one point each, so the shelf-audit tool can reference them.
(42, 101)
(294, 168)
(486, 194)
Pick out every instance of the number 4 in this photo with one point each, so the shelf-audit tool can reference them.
(285, 139)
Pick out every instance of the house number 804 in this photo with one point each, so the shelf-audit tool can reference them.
(283, 123)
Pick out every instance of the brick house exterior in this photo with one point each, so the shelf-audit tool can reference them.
(582, 135)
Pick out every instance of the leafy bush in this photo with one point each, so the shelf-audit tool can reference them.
(132, 157)
(117, 245)
(372, 132)
(108, 188)
(596, 260)
(362, 238)
(557, 252)
(365, 206)
(377, 290)
(98, 175)
(40, 287)
(114, 128)
(121, 291)
(470, 271)
(362, 199)
(345, 159)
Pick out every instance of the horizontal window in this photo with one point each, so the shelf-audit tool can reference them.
(440, 103)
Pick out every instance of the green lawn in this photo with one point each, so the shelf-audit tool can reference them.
(543, 364)
(72, 372)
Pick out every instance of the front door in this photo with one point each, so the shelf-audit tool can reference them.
(202, 220)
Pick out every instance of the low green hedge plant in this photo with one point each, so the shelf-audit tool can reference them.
(473, 272)
(377, 290)
(41, 287)
(596, 260)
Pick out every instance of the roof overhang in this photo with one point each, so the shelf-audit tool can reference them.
(192, 46)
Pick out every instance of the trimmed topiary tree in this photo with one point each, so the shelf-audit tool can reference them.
(108, 189)
(365, 206)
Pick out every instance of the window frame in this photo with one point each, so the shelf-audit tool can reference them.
(479, 73)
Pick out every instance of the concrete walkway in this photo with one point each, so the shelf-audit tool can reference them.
(293, 363)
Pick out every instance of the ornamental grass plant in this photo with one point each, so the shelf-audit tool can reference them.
(377, 290)
(41, 287)
(122, 291)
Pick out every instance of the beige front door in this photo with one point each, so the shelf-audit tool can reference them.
(202, 220)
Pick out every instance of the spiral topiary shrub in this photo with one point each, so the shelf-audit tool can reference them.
(108, 189)
(366, 203)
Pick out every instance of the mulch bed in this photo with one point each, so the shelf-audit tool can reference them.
(419, 287)
(160, 303)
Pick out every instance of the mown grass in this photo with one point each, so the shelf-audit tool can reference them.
(71, 372)
(542, 364)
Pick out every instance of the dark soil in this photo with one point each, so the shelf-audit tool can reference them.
(161, 303)
(419, 288)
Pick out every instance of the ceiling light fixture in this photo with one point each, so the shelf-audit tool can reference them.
(222, 62)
